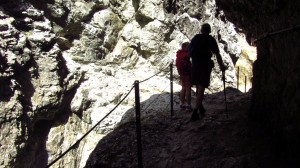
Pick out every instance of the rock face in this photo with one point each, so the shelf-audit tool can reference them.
(276, 71)
(65, 64)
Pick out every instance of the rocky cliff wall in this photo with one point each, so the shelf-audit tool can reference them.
(275, 27)
(65, 64)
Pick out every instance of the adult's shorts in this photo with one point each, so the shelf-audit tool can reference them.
(201, 73)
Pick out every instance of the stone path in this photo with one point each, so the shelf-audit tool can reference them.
(219, 140)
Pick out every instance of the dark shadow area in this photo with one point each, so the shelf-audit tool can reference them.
(34, 153)
(5, 90)
(136, 4)
(142, 19)
(171, 6)
(5, 81)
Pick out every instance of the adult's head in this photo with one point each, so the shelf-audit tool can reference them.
(205, 28)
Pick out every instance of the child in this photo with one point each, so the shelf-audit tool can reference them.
(184, 66)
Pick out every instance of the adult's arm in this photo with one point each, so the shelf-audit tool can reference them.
(216, 51)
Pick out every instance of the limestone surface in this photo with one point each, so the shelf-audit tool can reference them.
(64, 65)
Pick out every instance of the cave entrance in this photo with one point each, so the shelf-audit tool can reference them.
(244, 66)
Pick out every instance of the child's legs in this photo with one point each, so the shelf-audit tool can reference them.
(186, 89)
(182, 95)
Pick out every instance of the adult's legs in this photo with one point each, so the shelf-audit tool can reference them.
(199, 96)
(188, 95)
(198, 104)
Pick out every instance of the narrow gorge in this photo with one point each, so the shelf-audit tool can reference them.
(65, 64)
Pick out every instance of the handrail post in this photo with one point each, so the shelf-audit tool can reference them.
(171, 88)
(238, 77)
(138, 123)
(245, 83)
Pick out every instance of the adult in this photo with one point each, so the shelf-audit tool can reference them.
(201, 49)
